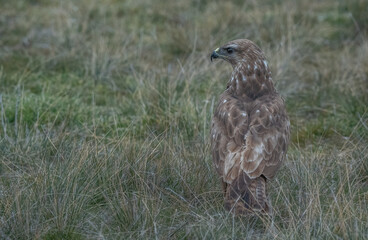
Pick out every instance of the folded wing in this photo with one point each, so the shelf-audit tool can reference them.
(249, 137)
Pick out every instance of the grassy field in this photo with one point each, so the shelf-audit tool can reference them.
(106, 107)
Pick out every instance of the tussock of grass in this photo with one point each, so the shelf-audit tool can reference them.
(105, 113)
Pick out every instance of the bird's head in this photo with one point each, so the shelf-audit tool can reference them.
(238, 51)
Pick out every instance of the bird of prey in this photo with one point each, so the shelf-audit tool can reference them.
(250, 129)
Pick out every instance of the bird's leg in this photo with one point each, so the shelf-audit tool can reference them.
(224, 187)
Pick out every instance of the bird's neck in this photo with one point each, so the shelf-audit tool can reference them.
(251, 80)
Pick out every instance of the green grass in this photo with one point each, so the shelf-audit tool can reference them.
(106, 109)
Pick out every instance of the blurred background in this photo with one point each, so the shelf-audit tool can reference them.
(106, 109)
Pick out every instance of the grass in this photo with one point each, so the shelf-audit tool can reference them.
(106, 106)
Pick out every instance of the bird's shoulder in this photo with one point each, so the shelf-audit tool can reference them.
(237, 111)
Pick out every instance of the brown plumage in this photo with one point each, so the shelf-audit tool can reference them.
(250, 129)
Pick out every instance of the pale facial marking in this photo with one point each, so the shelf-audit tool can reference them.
(232, 46)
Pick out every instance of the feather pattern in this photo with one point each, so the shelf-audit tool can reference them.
(250, 129)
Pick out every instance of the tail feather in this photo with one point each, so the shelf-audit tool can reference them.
(247, 196)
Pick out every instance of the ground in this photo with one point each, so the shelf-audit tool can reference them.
(106, 108)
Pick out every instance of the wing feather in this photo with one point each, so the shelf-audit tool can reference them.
(249, 137)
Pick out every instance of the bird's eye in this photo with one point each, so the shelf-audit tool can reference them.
(229, 50)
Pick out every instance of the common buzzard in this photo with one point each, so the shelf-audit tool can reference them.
(250, 129)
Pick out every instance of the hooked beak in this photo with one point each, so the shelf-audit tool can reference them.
(215, 54)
